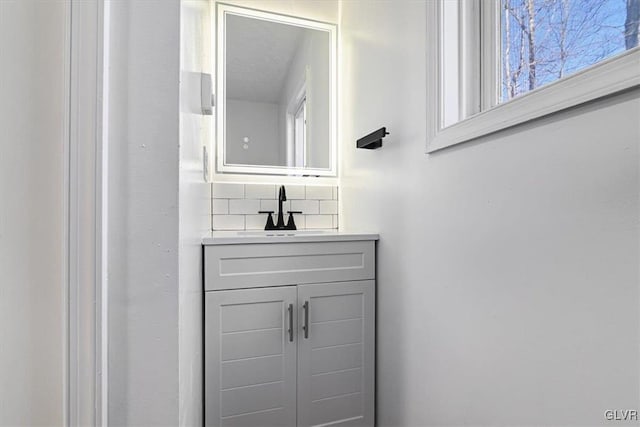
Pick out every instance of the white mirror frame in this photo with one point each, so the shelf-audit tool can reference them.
(222, 168)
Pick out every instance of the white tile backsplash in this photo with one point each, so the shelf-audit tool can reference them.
(235, 206)
(244, 206)
(319, 221)
(329, 207)
(300, 221)
(228, 222)
(260, 191)
(294, 192)
(220, 206)
(268, 205)
(255, 222)
(308, 207)
(319, 192)
(224, 190)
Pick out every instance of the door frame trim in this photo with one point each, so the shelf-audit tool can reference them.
(85, 388)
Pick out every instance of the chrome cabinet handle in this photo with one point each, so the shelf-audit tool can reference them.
(290, 310)
(305, 327)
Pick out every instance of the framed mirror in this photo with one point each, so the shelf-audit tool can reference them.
(276, 94)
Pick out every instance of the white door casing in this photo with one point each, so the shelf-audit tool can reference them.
(85, 224)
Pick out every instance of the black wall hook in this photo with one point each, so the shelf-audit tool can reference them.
(373, 140)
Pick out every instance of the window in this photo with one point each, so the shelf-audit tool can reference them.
(300, 134)
(503, 62)
(546, 40)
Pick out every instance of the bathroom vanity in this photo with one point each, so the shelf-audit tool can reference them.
(289, 328)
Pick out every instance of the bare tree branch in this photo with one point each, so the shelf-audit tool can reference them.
(531, 33)
(632, 24)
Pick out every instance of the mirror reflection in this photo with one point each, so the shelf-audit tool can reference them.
(277, 103)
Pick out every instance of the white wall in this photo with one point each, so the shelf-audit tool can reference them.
(508, 267)
(195, 203)
(32, 118)
(144, 66)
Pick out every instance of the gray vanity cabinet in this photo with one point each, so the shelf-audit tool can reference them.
(290, 354)
(250, 361)
(336, 354)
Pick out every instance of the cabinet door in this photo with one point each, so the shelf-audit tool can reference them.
(250, 357)
(336, 353)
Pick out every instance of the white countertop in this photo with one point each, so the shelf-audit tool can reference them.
(283, 236)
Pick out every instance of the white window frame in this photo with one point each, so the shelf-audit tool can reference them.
(300, 133)
(610, 76)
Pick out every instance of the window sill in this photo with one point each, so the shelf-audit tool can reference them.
(606, 78)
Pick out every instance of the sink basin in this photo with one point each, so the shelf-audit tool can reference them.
(282, 232)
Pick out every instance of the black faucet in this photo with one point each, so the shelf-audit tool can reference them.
(282, 197)
(291, 225)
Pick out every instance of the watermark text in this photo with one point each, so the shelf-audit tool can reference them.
(621, 414)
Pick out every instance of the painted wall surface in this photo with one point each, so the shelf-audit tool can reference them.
(144, 72)
(259, 122)
(32, 292)
(507, 267)
(195, 203)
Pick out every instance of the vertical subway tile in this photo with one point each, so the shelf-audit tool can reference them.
(225, 190)
(260, 191)
(228, 222)
(323, 192)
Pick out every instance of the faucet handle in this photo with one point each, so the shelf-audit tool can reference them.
(291, 224)
(269, 225)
